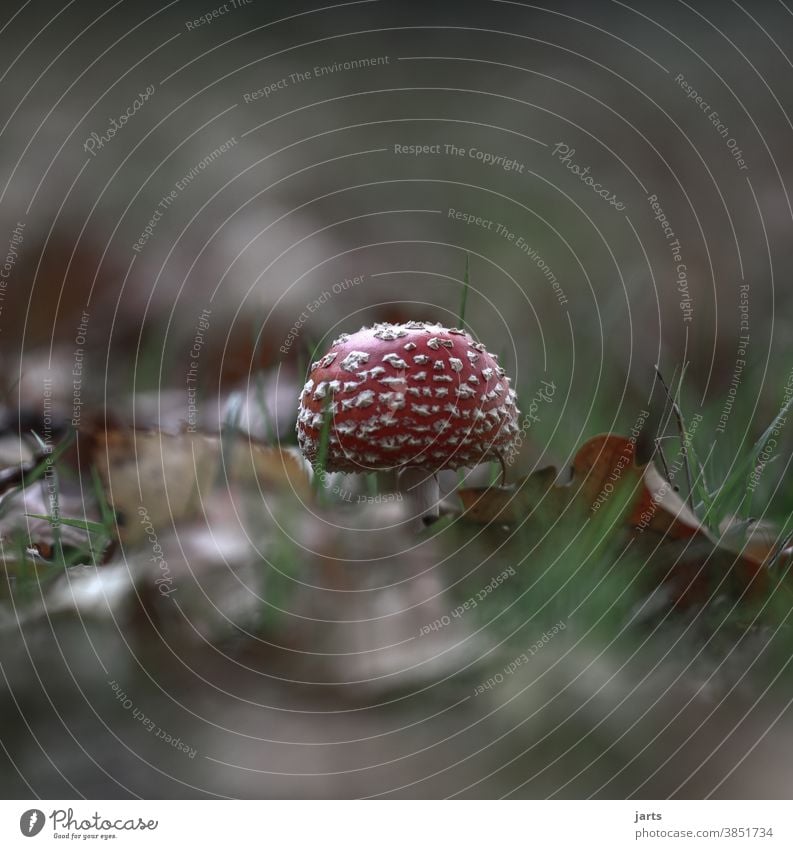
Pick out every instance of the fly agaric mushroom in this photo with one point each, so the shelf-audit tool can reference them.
(416, 397)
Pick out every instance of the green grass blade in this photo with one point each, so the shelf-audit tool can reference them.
(105, 510)
(322, 453)
(41, 467)
(81, 524)
(739, 479)
(464, 295)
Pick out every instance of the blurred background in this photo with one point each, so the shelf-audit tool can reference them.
(194, 198)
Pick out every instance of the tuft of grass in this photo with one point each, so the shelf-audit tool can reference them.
(734, 495)
(98, 538)
(99, 535)
(48, 462)
(39, 470)
(740, 478)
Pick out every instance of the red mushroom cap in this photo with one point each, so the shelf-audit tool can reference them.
(415, 394)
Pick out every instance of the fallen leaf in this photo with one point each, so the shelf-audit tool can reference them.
(759, 540)
(603, 467)
(511, 504)
(165, 477)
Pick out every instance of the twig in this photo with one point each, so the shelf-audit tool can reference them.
(683, 438)
(660, 451)
(667, 411)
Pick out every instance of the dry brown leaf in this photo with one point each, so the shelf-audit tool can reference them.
(759, 540)
(165, 477)
(511, 504)
(603, 466)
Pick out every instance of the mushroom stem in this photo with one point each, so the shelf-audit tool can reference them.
(422, 493)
